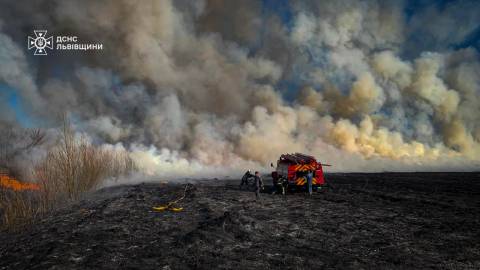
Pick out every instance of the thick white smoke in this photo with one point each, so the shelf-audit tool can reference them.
(198, 87)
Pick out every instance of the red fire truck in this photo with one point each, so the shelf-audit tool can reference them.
(292, 170)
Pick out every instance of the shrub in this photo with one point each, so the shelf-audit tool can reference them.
(75, 166)
(70, 168)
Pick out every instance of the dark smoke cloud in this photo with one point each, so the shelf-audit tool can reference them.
(216, 86)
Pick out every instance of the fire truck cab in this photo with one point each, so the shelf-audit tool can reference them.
(292, 170)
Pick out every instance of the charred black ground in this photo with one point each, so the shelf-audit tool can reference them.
(367, 221)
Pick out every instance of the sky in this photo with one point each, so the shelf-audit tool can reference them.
(223, 85)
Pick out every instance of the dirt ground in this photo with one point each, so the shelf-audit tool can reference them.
(366, 221)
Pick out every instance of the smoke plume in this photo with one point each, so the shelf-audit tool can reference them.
(215, 87)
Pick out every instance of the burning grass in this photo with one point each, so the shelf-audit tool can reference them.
(9, 182)
(18, 200)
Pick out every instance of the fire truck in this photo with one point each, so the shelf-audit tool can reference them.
(292, 169)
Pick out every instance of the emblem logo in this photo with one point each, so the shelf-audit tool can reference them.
(40, 42)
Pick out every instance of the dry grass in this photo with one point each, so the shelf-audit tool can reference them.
(70, 169)
(75, 166)
(18, 208)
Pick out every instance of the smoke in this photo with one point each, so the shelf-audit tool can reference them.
(215, 87)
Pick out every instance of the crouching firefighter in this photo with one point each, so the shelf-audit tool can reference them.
(245, 178)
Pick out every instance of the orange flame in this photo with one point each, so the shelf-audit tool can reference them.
(9, 182)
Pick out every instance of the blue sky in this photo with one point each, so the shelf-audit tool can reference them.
(13, 101)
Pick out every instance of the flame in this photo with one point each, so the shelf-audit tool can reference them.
(11, 183)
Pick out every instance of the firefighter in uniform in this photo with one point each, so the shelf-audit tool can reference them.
(278, 184)
(258, 184)
(245, 177)
(309, 181)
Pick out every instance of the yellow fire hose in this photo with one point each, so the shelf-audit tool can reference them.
(170, 205)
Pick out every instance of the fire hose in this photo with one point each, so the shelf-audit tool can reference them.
(170, 206)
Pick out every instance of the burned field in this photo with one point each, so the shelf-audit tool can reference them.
(365, 221)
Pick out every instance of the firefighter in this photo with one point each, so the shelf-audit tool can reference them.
(309, 182)
(258, 184)
(275, 181)
(245, 177)
(278, 184)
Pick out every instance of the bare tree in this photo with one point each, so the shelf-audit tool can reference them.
(16, 141)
